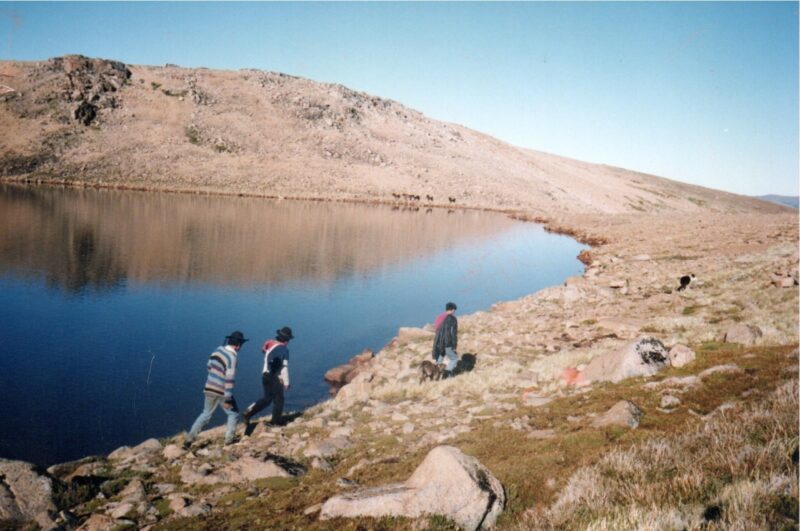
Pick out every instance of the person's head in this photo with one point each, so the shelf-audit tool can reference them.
(235, 339)
(284, 335)
(450, 307)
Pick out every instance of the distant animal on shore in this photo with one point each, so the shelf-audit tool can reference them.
(430, 370)
(685, 280)
(451, 199)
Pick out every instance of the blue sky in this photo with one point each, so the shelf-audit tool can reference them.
(705, 93)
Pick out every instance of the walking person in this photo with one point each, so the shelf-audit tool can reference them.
(219, 388)
(274, 377)
(446, 340)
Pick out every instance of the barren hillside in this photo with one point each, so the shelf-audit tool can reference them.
(264, 133)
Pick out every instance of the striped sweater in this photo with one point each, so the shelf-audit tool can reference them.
(221, 372)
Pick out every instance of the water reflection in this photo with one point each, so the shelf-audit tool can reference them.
(101, 239)
(110, 302)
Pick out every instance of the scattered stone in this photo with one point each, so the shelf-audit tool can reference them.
(313, 509)
(246, 468)
(173, 451)
(542, 434)
(133, 492)
(743, 334)
(25, 495)
(624, 413)
(530, 399)
(680, 355)
(123, 510)
(727, 368)
(643, 357)
(447, 483)
(318, 463)
(674, 381)
(407, 428)
(328, 447)
(98, 522)
(670, 402)
(194, 510)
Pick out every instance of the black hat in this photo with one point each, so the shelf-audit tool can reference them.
(450, 306)
(284, 334)
(236, 338)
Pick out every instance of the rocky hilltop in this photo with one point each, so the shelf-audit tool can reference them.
(613, 401)
(81, 120)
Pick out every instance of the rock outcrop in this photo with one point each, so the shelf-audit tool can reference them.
(447, 483)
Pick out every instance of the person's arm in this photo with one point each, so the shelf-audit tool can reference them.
(230, 380)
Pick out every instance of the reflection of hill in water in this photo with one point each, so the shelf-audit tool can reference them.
(78, 238)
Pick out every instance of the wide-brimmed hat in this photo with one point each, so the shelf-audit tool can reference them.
(235, 338)
(284, 334)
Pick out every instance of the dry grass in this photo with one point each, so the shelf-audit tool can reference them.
(737, 466)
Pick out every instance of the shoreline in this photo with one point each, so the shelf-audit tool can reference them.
(514, 403)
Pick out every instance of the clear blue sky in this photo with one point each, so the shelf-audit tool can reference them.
(705, 93)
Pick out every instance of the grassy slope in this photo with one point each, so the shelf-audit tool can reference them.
(536, 472)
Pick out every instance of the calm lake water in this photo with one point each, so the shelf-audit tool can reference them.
(110, 302)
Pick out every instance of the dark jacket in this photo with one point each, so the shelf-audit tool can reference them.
(446, 336)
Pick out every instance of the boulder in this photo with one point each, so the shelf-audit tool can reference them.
(680, 355)
(743, 334)
(447, 483)
(25, 495)
(643, 357)
(245, 468)
(338, 375)
(624, 413)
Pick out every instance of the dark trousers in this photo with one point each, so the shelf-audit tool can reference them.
(273, 392)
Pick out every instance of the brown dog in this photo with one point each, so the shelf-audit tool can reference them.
(430, 370)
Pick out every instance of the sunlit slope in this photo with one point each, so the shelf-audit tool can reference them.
(261, 132)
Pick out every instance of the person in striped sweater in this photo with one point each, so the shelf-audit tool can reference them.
(219, 388)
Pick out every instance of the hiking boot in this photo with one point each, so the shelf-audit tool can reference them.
(447, 374)
(186, 444)
(232, 441)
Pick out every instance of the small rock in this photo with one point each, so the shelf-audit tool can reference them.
(727, 368)
(542, 434)
(624, 413)
(408, 427)
(669, 401)
(743, 334)
(313, 509)
(680, 355)
(173, 451)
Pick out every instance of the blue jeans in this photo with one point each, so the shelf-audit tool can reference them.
(211, 403)
(452, 358)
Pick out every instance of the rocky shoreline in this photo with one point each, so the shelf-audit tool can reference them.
(547, 348)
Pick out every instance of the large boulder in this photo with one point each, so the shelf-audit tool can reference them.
(25, 495)
(743, 334)
(643, 357)
(447, 483)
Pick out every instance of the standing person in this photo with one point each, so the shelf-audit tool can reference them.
(446, 340)
(274, 377)
(219, 388)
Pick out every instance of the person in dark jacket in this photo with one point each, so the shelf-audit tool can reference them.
(274, 376)
(446, 340)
